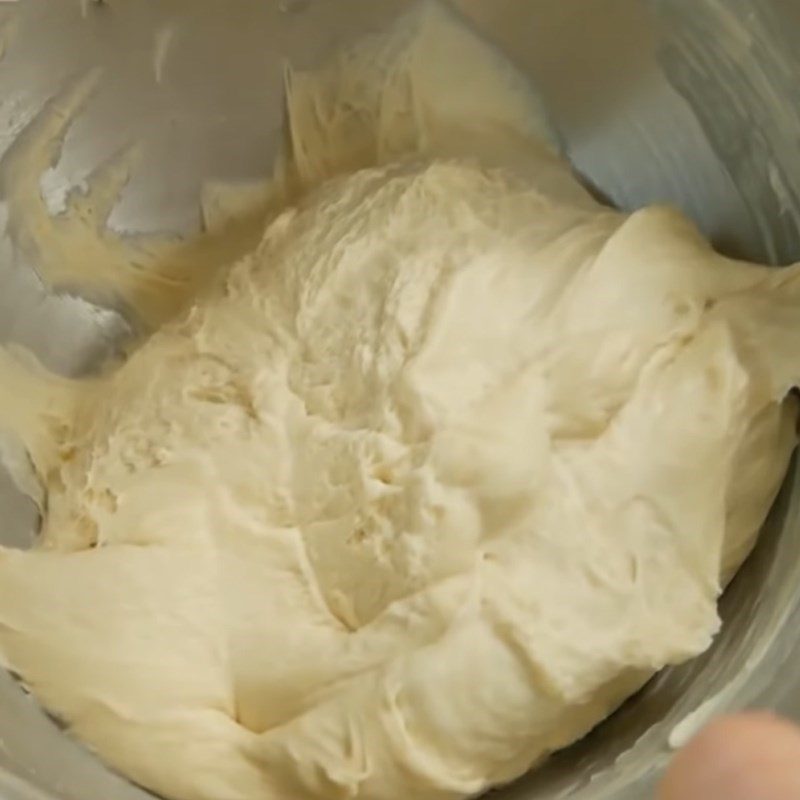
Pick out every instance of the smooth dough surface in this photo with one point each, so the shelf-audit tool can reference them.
(422, 488)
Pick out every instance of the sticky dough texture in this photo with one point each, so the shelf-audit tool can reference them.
(420, 489)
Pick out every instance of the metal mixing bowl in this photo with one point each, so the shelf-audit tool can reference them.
(692, 102)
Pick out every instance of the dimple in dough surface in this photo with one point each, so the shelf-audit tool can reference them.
(423, 486)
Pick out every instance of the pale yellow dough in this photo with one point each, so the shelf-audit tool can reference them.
(424, 486)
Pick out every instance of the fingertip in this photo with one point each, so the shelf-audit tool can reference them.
(744, 757)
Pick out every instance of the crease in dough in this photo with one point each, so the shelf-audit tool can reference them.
(429, 465)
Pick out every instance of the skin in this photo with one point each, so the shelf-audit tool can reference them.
(752, 756)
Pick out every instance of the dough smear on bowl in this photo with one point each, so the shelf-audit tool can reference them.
(419, 489)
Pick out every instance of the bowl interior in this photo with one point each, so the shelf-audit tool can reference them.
(652, 109)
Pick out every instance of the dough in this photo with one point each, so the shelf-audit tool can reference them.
(420, 489)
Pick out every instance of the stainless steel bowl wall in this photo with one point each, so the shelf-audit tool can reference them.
(690, 102)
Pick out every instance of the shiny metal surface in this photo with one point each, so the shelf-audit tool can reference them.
(691, 102)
